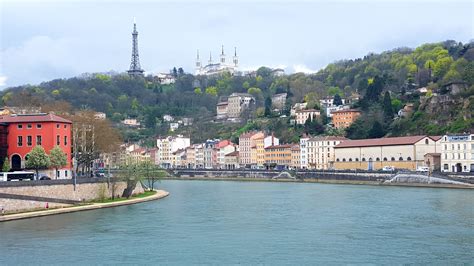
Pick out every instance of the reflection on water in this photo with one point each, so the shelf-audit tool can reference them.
(252, 222)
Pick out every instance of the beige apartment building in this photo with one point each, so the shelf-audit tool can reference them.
(237, 103)
(246, 142)
(373, 154)
(303, 115)
(457, 153)
(320, 152)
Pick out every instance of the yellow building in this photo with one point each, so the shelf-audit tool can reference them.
(295, 156)
(374, 154)
(278, 155)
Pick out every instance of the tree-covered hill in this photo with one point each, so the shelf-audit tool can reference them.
(384, 83)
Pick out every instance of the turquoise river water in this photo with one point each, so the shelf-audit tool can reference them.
(225, 222)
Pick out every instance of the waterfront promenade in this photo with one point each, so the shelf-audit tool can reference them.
(93, 206)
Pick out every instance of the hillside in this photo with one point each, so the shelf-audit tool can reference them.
(385, 83)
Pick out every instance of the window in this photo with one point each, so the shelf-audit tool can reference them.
(29, 141)
(65, 140)
(337, 160)
(445, 166)
(363, 159)
(38, 140)
(350, 159)
(20, 141)
(427, 142)
(343, 159)
(357, 159)
(65, 126)
(57, 125)
(38, 125)
(58, 140)
(445, 146)
(392, 159)
(19, 126)
(65, 173)
(385, 159)
(29, 126)
(400, 159)
(408, 158)
(377, 159)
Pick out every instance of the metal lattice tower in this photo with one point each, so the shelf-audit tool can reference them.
(135, 68)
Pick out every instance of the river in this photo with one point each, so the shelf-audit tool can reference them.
(225, 222)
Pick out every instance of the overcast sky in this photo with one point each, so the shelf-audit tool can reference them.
(44, 40)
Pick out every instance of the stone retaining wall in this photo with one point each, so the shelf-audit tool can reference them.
(84, 192)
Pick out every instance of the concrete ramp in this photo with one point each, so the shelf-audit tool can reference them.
(40, 199)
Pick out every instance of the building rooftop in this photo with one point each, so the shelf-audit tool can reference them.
(308, 111)
(346, 110)
(234, 153)
(325, 138)
(283, 146)
(410, 140)
(20, 118)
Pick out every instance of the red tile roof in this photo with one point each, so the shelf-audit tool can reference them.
(224, 143)
(381, 142)
(234, 153)
(326, 138)
(346, 110)
(33, 118)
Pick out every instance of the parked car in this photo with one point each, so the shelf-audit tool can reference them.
(388, 169)
(423, 169)
(44, 177)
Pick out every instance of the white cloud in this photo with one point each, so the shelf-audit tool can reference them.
(303, 68)
(3, 80)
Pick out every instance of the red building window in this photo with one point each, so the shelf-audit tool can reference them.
(19, 126)
(65, 140)
(20, 141)
(29, 126)
(38, 125)
(29, 141)
(58, 140)
(38, 140)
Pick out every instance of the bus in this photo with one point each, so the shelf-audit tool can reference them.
(19, 175)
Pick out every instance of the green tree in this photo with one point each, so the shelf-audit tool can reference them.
(211, 90)
(6, 165)
(58, 159)
(268, 107)
(442, 66)
(337, 100)
(387, 107)
(38, 159)
(334, 91)
(377, 130)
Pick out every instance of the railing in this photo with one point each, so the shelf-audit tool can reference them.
(52, 182)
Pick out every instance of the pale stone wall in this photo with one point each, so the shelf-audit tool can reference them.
(83, 192)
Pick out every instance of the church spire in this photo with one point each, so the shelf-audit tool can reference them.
(235, 60)
(222, 55)
(210, 58)
(198, 61)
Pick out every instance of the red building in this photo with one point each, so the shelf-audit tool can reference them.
(46, 130)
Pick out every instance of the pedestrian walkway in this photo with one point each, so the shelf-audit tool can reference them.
(10, 217)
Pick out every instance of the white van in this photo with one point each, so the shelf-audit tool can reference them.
(18, 175)
(423, 169)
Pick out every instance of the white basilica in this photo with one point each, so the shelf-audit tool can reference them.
(217, 68)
